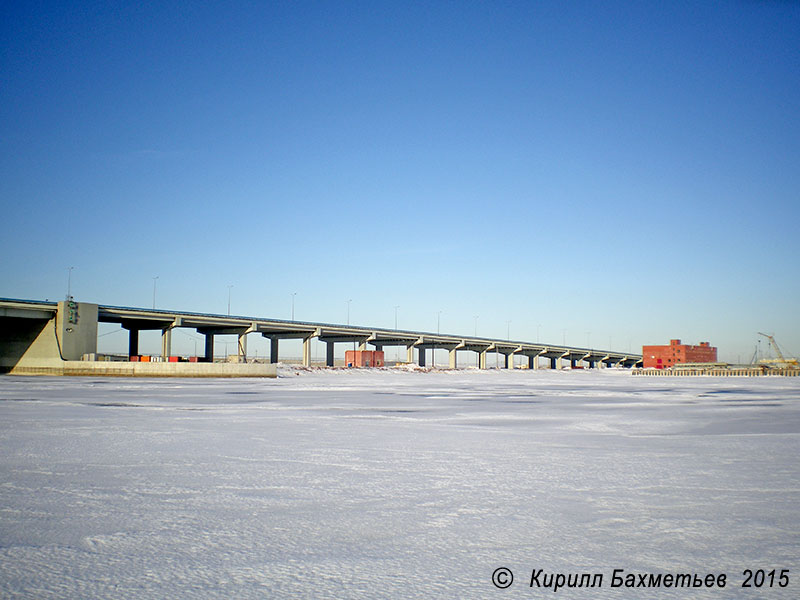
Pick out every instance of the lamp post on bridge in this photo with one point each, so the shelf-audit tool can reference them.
(69, 283)
(348, 322)
(229, 299)
(154, 291)
(433, 350)
(293, 295)
(397, 350)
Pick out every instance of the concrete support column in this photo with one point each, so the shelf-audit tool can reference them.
(533, 363)
(421, 356)
(482, 359)
(509, 361)
(242, 346)
(166, 343)
(453, 359)
(573, 363)
(362, 346)
(209, 349)
(307, 351)
(273, 350)
(329, 354)
(409, 354)
(591, 364)
(133, 342)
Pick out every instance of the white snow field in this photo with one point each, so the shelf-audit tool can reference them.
(387, 484)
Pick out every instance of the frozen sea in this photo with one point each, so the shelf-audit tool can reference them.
(387, 484)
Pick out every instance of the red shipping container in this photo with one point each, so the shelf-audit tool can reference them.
(363, 358)
(172, 359)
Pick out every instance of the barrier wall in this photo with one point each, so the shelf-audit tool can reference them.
(152, 369)
(754, 372)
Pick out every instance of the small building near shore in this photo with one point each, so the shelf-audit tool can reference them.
(664, 357)
(363, 358)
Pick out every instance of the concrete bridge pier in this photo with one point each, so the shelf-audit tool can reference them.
(553, 362)
(166, 342)
(453, 358)
(273, 350)
(329, 354)
(208, 355)
(532, 362)
(421, 356)
(409, 354)
(242, 347)
(133, 342)
(307, 351)
(482, 359)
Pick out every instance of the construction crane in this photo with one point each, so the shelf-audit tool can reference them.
(781, 361)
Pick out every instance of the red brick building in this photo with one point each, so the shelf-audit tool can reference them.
(663, 357)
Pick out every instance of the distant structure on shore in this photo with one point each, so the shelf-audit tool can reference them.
(683, 360)
(664, 357)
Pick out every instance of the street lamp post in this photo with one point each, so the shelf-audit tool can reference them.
(229, 299)
(433, 350)
(293, 295)
(397, 350)
(69, 283)
(154, 291)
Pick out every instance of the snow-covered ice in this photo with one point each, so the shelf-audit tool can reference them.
(387, 484)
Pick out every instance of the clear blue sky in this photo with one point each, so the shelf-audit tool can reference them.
(595, 172)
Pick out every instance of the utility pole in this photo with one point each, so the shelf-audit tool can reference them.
(229, 300)
(433, 351)
(69, 283)
(293, 295)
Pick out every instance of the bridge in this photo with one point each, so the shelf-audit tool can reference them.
(36, 332)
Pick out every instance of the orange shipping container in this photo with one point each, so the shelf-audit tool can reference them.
(363, 358)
